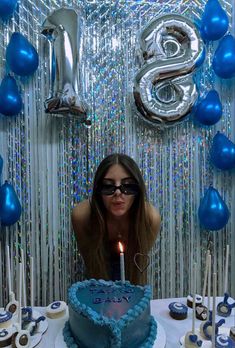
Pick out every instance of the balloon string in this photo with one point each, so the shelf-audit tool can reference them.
(210, 243)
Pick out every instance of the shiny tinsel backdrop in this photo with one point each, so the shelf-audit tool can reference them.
(50, 161)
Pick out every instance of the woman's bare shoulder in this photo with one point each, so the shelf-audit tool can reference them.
(154, 216)
(80, 216)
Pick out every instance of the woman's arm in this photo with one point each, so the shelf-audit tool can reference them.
(80, 219)
(154, 220)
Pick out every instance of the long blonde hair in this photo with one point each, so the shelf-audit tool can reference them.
(140, 236)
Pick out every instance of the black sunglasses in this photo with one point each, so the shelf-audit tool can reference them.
(127, 189)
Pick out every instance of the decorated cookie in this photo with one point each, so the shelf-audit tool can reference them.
(191, 340)
(56, 309)
(178, 310)
(222, 341)
(232, 332)
(6, 336)
(5, 319)
(224, 308)
(201, 312)
(198, 300)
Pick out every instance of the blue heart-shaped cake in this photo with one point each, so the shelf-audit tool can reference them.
(105, 314)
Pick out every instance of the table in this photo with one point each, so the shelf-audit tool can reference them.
(174, 329)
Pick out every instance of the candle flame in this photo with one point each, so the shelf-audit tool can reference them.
(120, 247)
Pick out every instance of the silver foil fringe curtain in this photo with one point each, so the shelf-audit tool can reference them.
(51, 161)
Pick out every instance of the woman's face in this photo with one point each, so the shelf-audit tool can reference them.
(118, 204)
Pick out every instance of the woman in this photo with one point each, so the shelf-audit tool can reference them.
(118, 211)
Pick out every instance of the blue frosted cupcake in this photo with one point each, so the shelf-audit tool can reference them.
(178, 310)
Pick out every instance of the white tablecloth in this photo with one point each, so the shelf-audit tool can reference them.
(174, 329)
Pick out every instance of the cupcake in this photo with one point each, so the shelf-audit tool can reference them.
(6, 336)
(5, 319)
(178, 310)
(198, 300)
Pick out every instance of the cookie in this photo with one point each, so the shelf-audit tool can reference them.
(56, 309)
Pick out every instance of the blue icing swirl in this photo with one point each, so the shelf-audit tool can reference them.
(55, 305)
(3, 333)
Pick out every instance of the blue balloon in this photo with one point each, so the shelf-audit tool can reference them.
(7, 7)
(209, 110)
(222, 152)
(10, 208)
(10, 98)
(213, 212)
(214, 23)
(1, 166)
(201, 58)
(224, 58)
(21, 56)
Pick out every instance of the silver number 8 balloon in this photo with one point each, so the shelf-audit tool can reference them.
(171, 49)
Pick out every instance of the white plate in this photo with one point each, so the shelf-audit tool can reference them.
(205, 343)
(160, 341)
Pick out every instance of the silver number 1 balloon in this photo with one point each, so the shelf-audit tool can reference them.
(64, 30)
(171, 48)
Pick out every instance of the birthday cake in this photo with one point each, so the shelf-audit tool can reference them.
(105, 314)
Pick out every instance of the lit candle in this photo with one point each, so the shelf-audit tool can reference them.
(122, 264)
